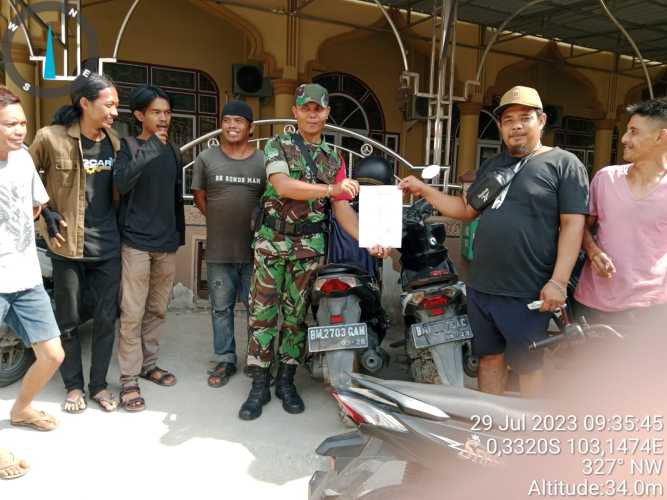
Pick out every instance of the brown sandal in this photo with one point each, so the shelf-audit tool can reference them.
(162, 376)
(134, 404)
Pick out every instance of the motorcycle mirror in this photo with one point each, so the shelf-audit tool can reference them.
(430, 172)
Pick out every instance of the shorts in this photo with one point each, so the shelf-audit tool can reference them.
(504, 325)
(30, 315)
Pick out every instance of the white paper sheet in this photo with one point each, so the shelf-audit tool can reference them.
(380, 216)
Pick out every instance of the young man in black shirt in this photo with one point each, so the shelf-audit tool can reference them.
(148, 177)
(527, 242)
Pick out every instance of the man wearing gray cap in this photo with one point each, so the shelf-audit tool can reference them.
(531, 201)
(227, 183)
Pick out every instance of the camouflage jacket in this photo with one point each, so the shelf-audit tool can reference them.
(281, 155)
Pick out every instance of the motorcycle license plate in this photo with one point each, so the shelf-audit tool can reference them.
(441, 331)
(334, 337)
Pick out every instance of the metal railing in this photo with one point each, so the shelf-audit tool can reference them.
(368, 147)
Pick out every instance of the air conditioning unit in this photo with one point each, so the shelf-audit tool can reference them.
(249, 80)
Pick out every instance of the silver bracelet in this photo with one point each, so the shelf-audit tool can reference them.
(560, 288)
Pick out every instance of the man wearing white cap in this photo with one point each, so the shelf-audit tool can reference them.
(532, 202)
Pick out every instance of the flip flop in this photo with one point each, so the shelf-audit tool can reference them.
(76, 402)
(33, 422)
(111, 401)
(13, 462)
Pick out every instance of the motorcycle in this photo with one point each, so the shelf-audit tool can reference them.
(346, 298)
(15, 358)
(417, 439)
(437, 335)
(351, 324)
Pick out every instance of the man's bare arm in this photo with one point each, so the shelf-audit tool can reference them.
(449, 206)
(569, 243)
(347, 218)
(200, 200)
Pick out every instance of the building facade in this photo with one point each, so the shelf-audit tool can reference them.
(189, 47)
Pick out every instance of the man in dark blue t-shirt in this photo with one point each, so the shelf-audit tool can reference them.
(531, 201)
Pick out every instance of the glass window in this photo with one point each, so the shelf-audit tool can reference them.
(348, 93)
(208, 104)
(206, 84)
(127, 73)
(207, 124)
(124, 95)
(173, 78)
(182, 102)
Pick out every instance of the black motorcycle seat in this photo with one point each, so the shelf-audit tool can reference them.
(423, 281)
(331, 269)
(463, 403)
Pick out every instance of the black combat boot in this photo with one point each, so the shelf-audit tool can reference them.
(259, 395)
(285, 389)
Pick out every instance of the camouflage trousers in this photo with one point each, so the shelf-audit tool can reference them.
(280, 287)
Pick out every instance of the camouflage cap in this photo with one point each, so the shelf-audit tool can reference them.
(311, 92)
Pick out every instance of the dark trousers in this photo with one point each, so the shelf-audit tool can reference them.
(85, 290)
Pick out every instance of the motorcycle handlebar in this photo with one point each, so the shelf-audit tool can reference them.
(539, 344)
(581, 332)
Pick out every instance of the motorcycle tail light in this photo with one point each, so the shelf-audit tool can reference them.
(362, 412)
(436, 312)
(438, 272)
(434, 301)
(334, 286)
(336, 319)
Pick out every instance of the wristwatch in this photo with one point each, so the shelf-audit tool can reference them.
(329, 190)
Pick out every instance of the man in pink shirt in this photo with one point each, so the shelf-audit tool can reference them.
(624, 280)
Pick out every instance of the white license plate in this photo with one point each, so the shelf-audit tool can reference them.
(335, 337)
(441, 331)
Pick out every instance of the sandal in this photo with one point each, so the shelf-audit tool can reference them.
(33, 422)
(134, 404)
(221, 374)
(108, 404)
(13, 463)
(162, 376)
(76, 405)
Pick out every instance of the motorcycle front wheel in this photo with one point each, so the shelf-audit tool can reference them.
(15, 358)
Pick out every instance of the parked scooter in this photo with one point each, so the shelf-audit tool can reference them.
(414, 438)
(437, 335)
(346, 296)
(350, 324)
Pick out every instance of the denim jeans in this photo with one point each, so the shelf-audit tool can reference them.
(30, 314)
(225, 283)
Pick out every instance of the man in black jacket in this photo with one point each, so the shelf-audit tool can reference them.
(148, 176)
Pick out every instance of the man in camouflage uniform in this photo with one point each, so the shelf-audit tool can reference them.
(290, 244)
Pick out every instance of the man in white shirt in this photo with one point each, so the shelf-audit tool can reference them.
(24, 304)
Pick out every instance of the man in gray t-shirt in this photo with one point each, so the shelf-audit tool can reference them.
(227, 184)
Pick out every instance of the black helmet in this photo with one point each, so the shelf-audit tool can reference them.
(374, 170)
